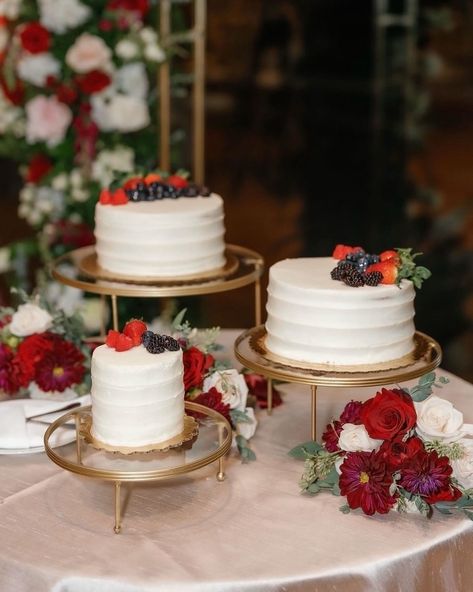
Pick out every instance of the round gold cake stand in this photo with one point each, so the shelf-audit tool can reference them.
(251, 351)
(243, 267)
(211, 444)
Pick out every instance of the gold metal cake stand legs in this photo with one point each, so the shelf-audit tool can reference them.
(221, 472)
(313, 425)
(269, 397)
(258, 301)
(118, 517)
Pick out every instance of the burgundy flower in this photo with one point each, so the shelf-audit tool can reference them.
(13, 375)
(427, 474)
(213, 400)
(388, 414)
(397, 453)
(38, 167)
(258, 387)
(196, 364)
(34, 38)
(93, 82)
(331, 435)
(33, 349)
(61, 367)
(365, 481)
(352, 413)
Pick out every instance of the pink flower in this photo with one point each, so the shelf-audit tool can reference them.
(47, 120)
(88, 53)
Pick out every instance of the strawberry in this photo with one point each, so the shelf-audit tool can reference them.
(132, 182)
(388, 268)
(134, 330)
(341, 251)
(123, 343)
(177, 181)
(119, 197)
(152, 178)
(112, 338)
(105, 197)
(385, 255)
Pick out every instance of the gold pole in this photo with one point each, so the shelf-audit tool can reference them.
(114, 311)
(221, 472)
(258, 302)
(103, 308)
(200, 14)
(78, 440)
(313, 389)
(118, 526)
(164, 81)
(269, 396)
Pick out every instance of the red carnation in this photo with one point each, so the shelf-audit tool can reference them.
(60, 368)
(258, 387)
(365, 481)
(388, 414)
(397, 453)
(213, 400)
(93, 82)
(39, 166)
(196, 364)
(33, 349)
(34, 38)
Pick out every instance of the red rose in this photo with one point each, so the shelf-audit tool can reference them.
(449, 494)
(34, 38)
(93, 82)
(39, 166)
(66, 94)
(213, 400)
(397, 453)
(196, 365)
(388, 414)
(258, 387)
(33, 349)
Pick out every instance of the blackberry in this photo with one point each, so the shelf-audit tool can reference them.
(337, 273)
(354, 279)
(154, 347)
(190, 191)
(170, 343)
(205, 191)
(373, 278)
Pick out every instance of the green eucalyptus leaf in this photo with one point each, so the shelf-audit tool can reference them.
(345, 509)
(468, 514)
(313, 488)
(177, 322)
(302, 451)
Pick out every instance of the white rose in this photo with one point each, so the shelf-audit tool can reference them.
(59, 16)
(100, 103)
(231, 385)
(108, 162)
(154, 53)
(128, 114)
(437, 419)
(60, 182)
(94, 313)
(23, 210)
(355, 438)
(88, 53)
(36, 68)
(248, 429)
(463, 467)
(133, 80)
(126, 49)
(29, 319)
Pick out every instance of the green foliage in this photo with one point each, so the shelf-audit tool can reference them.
(409, 270)
(424, 388)
(245, 451)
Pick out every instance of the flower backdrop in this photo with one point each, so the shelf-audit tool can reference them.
(78, 103)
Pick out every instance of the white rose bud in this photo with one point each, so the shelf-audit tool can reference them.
(355, 438)
(437, 419)
(248, 429)
(231, 385)
(29, 319)
(463, 467)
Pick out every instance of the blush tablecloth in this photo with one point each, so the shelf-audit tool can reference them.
(253, 533)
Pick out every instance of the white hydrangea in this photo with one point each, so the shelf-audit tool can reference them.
(126, 49)
(108, 162)
(119, 112)
(60, 16)
(38, 204)
(36, 68)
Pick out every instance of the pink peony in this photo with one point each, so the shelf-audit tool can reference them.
(47, 120)
(88, 53)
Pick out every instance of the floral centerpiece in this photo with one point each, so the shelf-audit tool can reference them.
(77, 104)
(41, 352)
(403, 449)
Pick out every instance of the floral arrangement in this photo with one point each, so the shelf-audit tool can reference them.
(77, 105)
(41, 352)
(215, 384)
(404, 450)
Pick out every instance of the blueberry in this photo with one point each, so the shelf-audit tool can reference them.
(147, 337)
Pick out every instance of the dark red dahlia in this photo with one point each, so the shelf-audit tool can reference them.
(397, 453)
(427, 474)
(258, 387)
(331, 435)
(33, 349)
(13, 375)
(352, 413)
(61, 367)
(34, 38)
(365, 481)
(213, 400)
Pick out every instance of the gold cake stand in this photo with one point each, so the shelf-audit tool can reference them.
(80, 270)
(199, 445)
(251, 351)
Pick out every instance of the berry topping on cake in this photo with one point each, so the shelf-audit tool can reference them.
(387, 268)
(177, 181)
(354, 279)
(119, 197)
(132, 183)
(385, 255)
(152, 178)
(341, 251)
(373, 278)
(112, 338)
(134, 329)
(170, 343)
(157, 344)
(124, 343)
(105, 197)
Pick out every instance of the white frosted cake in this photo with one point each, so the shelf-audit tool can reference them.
(162, 238)
(312, 318)
(137, 396)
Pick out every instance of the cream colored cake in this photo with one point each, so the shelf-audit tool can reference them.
(162, 238)
(137, 397)
(312, 318)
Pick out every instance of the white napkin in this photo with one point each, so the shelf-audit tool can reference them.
(17, 433)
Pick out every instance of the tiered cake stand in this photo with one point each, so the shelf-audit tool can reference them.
(251, 351)
(79, 269)
(199, 445)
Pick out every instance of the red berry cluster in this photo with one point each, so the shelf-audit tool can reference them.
(130, 337)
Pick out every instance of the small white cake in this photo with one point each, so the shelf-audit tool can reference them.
(312, 318)
(162, 238)
(137, 396)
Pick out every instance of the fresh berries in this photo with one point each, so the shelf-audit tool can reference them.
(337, 273)
(388, 268)
(157, 344)
(341, 251)
(170, 343)
(391, 254)
(124, 343)
(152, 178)
(112, 338)
(373, 278)
(135, 329)
(105, 197)
(177, 181)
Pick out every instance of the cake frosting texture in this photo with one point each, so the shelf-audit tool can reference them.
(137, 397)
(312, 318)
(162, 238)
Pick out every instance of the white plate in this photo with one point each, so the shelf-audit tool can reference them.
(61, 436)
